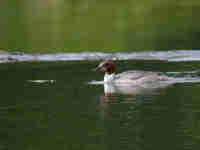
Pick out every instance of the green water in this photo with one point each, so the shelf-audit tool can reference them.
(73, 115)
(99, 25)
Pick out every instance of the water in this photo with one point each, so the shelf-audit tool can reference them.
(50, 105)
(170, 56)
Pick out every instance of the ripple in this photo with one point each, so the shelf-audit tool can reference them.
(171, 56)
(42, 81)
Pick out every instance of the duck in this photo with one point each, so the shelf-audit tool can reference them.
(129, 77)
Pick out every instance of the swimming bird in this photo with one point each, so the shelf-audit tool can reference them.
(129, 77)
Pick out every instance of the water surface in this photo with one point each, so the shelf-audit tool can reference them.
(71, 114)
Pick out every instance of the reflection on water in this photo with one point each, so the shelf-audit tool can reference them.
(71, 114)
(148, 121)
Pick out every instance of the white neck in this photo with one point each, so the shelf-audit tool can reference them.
(109, 77)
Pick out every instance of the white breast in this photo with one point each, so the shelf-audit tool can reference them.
(109, 78)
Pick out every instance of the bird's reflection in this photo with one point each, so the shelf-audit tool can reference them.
(134, 95)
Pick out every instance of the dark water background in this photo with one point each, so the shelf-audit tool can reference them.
(99, 25)
(73, 115)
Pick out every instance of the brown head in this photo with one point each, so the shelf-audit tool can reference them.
(106, 66)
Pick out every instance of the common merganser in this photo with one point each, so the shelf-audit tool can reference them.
(128, 77)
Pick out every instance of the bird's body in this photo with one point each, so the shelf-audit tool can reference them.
(135, 77)
(129, 77)
(136, 82)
